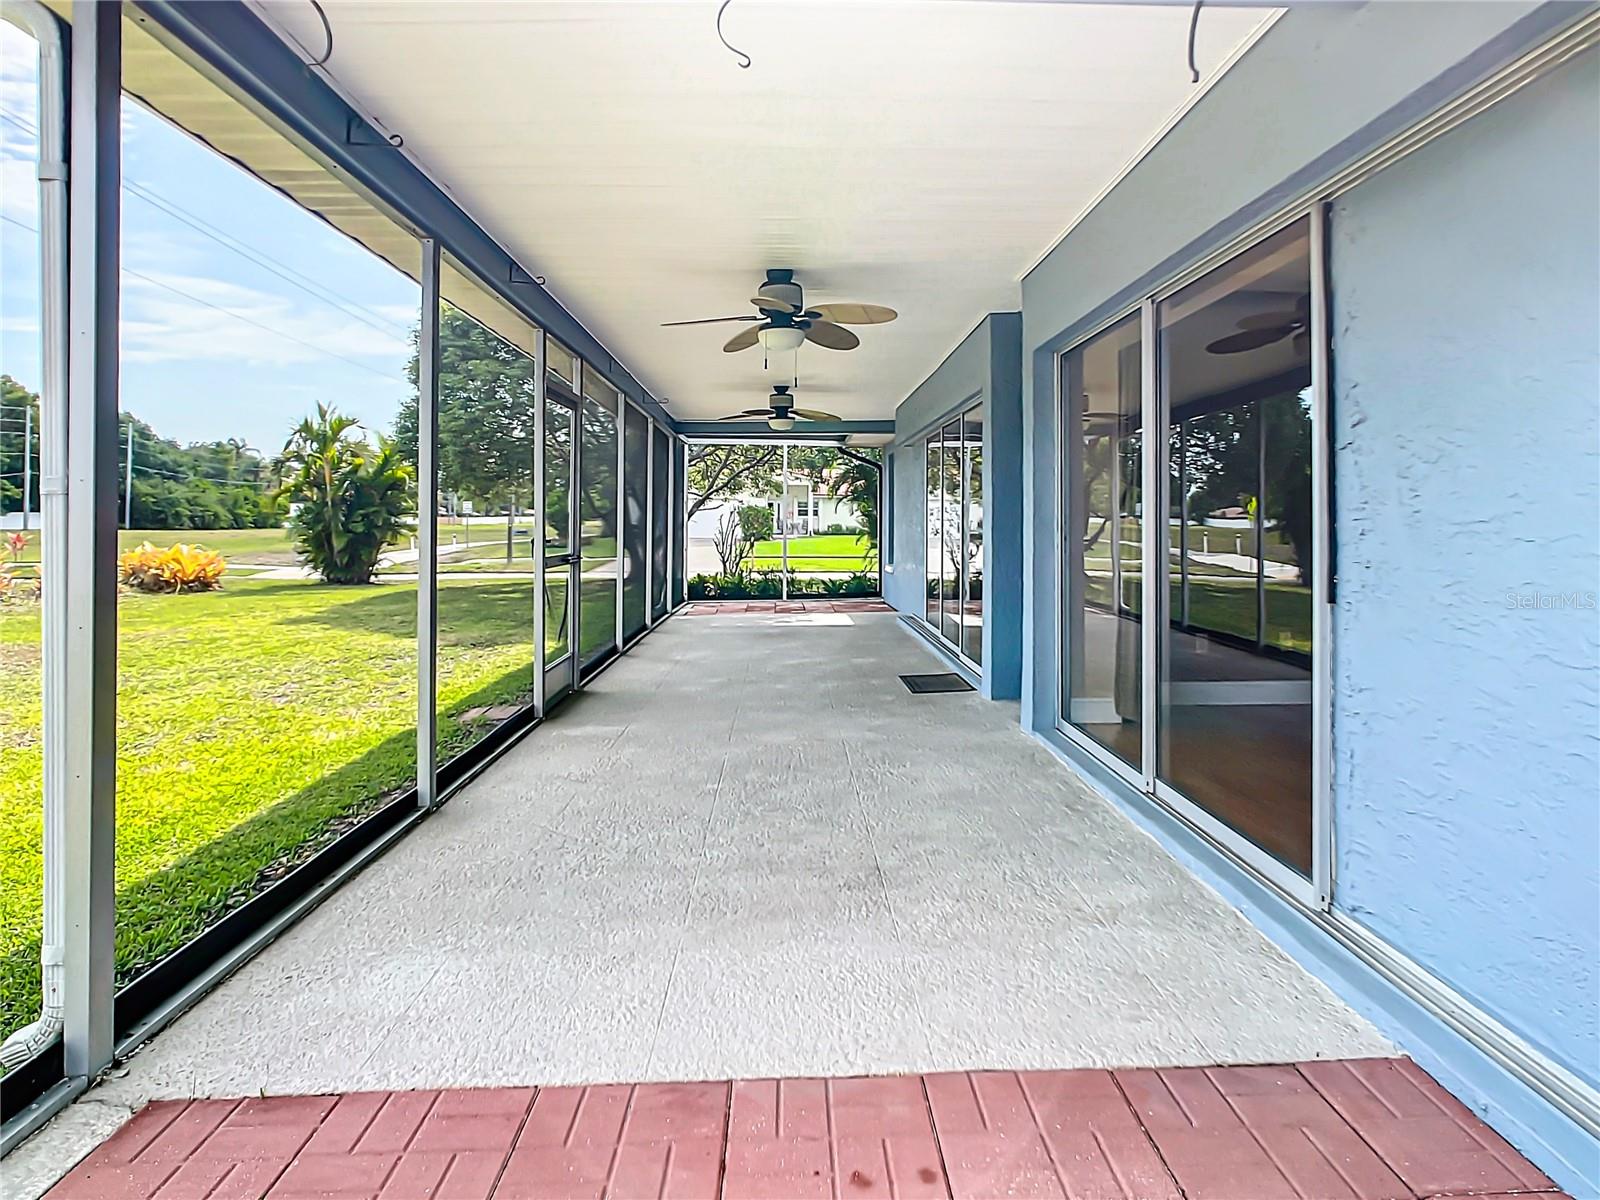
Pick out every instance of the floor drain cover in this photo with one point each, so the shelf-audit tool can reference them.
(945, 682)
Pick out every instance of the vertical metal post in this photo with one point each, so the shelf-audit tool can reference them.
(127, 483)
(539, 522)
(575, 530)
(1152, 529)
(90, 796)
(619, 510)
(783, 525)
(428, 529)
(650, 523)
(671, 512)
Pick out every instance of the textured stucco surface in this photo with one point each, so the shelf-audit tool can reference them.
(1339, 77)
(748, 851)
(1466, 312)
(986, 366)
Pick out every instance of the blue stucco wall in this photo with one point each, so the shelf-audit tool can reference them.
(1466, 765)
(1466, 309)
(986, 365)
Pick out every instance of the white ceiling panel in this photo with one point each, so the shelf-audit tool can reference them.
(920, 155)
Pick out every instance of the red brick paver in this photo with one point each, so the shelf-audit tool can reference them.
(727, 608)
(1369, 1129)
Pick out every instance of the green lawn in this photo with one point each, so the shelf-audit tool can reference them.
(265, 547)
(253, 723)
(844, 553)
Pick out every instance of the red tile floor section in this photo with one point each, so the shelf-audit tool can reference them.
(1367, 1128)
(714, 608)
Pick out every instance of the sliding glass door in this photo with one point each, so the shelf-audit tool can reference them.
(1228, 390)
(954, 550)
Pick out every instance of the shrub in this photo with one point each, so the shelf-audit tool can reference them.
(755, 520)
(180, 568)
(354, 500)
(732, 546)
(861, 585)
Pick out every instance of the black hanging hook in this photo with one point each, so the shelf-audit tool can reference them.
(1194, 25)
(744, 59)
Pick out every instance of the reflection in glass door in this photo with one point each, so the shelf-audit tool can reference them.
(1234, 685)
(1101, 426)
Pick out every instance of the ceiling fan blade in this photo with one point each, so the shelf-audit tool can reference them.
(748, 414)
(773, 304)
(744, 339)
(1271, 320)
(815, 414)
(709, 321)
(854, 314)
(1250, 339)
(834, 337)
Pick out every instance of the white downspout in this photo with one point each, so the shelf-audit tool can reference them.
(46, 30)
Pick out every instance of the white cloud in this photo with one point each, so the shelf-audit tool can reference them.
(169, 317)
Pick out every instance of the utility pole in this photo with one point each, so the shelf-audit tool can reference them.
(127, 490)
(27, 462)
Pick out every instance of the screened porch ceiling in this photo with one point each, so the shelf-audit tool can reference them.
(917, 155)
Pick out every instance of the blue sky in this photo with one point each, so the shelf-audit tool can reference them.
(214, 345)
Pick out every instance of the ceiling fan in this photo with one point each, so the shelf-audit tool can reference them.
(785, 322)
(1262, 329)
(780, 414)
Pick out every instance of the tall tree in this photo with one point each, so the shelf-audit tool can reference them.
(719, 471)
(486, 401)
(19, 415)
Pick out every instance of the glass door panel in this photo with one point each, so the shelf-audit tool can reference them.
(951, 468)
(933, 549)
(1234, 665)
(635, 520)
(972, 515)
(597, 520)
(1100, 420)
(560, 449)
(660, 506)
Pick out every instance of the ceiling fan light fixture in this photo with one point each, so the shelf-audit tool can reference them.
(780, 424)
(781, 339)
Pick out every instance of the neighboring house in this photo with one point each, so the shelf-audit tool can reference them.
(806, 510)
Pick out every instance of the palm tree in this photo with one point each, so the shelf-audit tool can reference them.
(353, 499)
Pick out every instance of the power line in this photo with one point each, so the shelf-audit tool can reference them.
(227, 241)
(228, 312)
(309, 286)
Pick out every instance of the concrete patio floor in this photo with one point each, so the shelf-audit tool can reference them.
(747, 851)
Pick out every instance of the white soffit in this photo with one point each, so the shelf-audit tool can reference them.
(916, 154)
